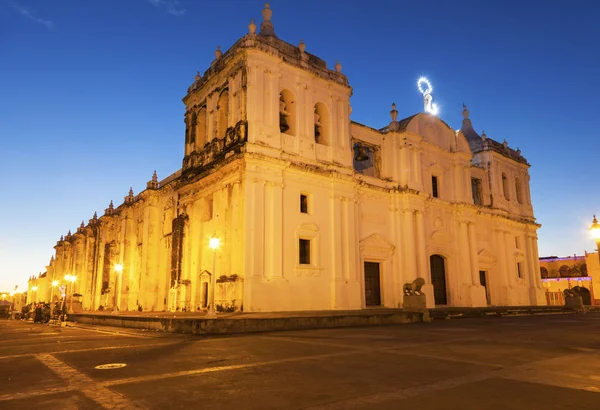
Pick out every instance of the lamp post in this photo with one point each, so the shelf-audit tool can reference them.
(54, 284)
(72, 279)
(119, 271)
(213, 244)
(595, 230)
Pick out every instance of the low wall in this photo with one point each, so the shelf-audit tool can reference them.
(246, 325)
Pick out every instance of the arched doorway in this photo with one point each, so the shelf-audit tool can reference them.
(586, 297)
(438, 279)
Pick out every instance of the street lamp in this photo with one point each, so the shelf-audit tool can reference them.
(595, 230)
(34, 289)
(213, 243)
(72, 279)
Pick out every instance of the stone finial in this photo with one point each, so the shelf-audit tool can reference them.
(82, 224)
(302, 46)
(394, 125)
(129, 198)
(95, 217)
(267, 12)
(394, 112)
(68, 235)
(483, 136)
(505, 143)
(338, 67)
(465, 112)
(266, 27)
(153, 184)
(518, 151)
(252, 28)
(218, 52)
(197, 77)
(110, 209)
(61, 238)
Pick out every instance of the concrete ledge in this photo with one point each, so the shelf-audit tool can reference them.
(219, 326)
(466, 312)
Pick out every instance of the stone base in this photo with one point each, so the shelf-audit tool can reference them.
(414, 303)
(427, 290)
(476, 295)
(574, 302)
(417, 303)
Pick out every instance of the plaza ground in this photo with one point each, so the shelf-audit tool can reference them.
(523, 362)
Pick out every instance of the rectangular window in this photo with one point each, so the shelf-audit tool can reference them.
(520, 269)
(303, 203)
(304, 254)
(517, 242)
(476, 191)
(434, 186)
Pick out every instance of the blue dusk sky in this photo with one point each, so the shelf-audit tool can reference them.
(90, 95)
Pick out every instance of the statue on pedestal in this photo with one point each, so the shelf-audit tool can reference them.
(318, 126)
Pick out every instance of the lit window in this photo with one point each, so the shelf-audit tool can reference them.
(304, 251)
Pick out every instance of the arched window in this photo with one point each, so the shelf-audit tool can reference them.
(505, 186)
(563, 271)
(543, 272)
(201, 128)
(223, 112)
(322, 124)
(287, 112)
(518, 190)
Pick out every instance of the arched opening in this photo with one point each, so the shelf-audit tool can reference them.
(563, 271)
(585, 294)
(201, 128)
(505, 186)
(438, 279)
(518, 190)
(322, 124)
(544, 272)
(223, 112)
(287, 112)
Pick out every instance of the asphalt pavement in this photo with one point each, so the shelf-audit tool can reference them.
(527, 362)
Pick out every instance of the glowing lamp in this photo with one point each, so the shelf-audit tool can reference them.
(34, 288)
(595, 229)
(118, 268)
(213, 243)
(54, 283)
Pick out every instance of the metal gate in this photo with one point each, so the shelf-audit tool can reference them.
(372, 284)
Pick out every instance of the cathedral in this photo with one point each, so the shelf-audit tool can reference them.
(312, 211)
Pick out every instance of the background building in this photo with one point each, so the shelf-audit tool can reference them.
(568, 272)
(313, 211)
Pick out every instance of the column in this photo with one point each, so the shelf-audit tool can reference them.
(502, 257)
(510, 258)
(408, 239)
(473, 253)
(465, 257)
(421, 248)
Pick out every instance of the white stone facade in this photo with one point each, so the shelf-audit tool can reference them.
(314, 211)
